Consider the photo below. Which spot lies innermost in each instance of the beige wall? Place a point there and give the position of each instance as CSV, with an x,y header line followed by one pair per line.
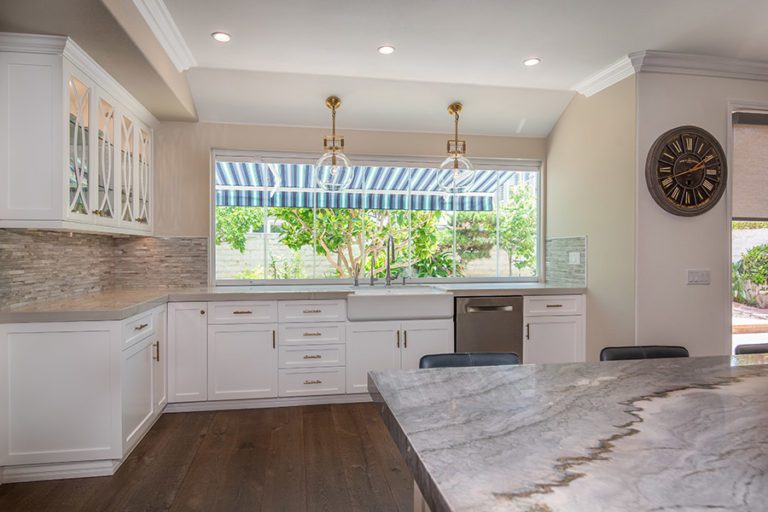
x,y
668,310
590,191
183,160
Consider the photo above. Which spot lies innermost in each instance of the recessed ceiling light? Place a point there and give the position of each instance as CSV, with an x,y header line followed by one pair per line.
x,y
531,61
221,37
386,50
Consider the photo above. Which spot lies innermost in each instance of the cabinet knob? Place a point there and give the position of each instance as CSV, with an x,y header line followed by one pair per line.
x,y
202,311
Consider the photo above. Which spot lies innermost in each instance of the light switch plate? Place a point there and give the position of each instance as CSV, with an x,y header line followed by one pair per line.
x,y
699,277
574,258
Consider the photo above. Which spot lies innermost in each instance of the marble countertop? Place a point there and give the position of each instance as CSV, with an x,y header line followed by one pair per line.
x,y
649,435
121,304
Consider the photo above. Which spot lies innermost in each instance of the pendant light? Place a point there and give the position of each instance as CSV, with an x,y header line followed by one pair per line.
x,y
456,173
333,172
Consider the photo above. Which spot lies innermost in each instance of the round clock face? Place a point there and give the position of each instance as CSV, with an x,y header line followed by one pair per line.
x,y
686,171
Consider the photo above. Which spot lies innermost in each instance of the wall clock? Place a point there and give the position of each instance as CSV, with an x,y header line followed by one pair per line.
x,y
686,171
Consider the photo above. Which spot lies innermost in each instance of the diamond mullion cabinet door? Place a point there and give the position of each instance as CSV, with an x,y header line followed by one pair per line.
x,y
105,168
242,361
187,352
143,176
80,149
127,170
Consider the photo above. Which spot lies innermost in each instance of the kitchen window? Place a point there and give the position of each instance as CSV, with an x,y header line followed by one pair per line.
x,y
272,224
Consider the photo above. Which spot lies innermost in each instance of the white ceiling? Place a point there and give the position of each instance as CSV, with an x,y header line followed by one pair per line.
x,y
287,56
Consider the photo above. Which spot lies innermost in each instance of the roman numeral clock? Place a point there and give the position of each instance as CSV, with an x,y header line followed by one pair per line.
x,y
686,171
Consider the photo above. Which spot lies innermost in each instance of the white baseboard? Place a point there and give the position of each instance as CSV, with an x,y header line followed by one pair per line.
x,y
58,471
262,403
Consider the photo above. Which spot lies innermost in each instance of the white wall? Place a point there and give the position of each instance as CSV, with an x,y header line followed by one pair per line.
x,y
667,310
590,190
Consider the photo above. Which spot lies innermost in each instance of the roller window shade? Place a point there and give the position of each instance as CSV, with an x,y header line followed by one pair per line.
x,y
749,170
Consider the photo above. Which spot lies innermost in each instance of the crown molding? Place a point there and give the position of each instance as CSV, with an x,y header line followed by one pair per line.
x,y
651,61
161,23
606,77
32,43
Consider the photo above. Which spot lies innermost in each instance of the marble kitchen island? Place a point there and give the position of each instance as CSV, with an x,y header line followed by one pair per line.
x,y
652,435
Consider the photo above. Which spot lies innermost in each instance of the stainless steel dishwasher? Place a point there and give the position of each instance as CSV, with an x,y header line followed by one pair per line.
x,y
489,324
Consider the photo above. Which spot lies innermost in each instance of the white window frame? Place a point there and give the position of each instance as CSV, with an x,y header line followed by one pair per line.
x,y
496,164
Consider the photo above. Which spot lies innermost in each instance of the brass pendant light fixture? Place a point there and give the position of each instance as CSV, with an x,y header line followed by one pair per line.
x,y
456,173
332,170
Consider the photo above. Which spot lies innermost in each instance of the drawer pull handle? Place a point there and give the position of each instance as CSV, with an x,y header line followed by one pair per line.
x,y
312,334
157,350
308,382
246,312
554,305
307,311
274,343
140,327
316,356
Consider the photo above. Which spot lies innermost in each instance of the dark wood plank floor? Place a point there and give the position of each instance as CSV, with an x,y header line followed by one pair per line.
x,y
316,458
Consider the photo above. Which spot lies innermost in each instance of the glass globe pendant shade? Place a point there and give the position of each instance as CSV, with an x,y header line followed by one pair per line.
x,y
456,174
333,176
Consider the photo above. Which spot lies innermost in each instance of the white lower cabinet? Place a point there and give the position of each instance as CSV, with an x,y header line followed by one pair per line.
x,y
59,392
76,397
160,362
374,346
242,361
554,329
137,391
422,337
187,352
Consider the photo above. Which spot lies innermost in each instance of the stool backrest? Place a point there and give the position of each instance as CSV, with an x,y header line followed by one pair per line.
x,y
462,359
755,348
642,352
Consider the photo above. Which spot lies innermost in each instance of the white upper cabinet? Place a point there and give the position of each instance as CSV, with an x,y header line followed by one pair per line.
x,y
78,146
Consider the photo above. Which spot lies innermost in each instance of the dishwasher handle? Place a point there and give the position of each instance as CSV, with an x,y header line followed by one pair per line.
x,y
481,309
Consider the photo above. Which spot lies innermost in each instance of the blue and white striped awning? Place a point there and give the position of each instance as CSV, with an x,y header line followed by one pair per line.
x,y
380,188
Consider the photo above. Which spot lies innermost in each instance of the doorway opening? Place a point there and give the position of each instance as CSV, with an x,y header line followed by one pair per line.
x,y
749,229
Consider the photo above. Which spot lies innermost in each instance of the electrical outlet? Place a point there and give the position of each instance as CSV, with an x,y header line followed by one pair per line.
x,y
698,277
574,258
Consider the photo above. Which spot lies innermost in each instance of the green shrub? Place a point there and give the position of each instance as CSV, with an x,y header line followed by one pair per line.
x,y
754,265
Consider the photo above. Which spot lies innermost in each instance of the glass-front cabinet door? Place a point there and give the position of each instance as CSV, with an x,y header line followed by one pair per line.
x,y
79,146
144,176
105,201
127,170
108,158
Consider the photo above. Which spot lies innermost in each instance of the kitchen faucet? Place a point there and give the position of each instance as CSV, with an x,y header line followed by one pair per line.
x,y
390,258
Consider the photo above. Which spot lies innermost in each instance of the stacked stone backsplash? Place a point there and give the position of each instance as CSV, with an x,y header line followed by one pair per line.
x,y
145,262
40,266
560,269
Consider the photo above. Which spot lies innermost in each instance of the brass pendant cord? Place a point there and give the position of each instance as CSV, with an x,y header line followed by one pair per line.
x,y
333,133
456,139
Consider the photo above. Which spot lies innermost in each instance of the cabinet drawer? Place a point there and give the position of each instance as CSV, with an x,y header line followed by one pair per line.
x,y
326,381
553,305
313,310
242,312
138,328
312,356
312,334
